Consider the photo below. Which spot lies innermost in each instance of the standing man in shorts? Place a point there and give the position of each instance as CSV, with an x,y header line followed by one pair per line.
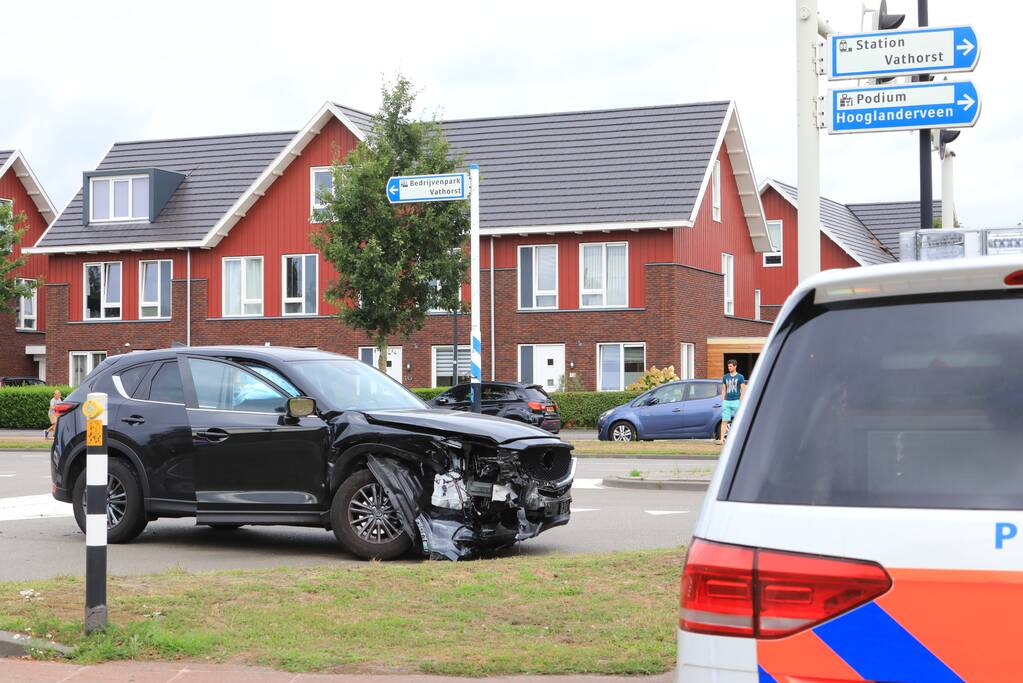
x,y
733,387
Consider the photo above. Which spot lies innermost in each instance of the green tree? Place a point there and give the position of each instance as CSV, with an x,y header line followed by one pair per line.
x,y
394,262
10,236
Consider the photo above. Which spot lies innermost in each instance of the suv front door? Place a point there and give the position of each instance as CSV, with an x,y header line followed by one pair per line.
x,y
253,463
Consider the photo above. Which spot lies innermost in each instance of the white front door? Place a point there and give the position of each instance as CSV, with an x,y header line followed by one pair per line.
x,y
371,356
547,363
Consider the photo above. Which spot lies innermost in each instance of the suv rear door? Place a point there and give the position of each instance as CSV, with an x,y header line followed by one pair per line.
x,y
253,463
888,432
702,408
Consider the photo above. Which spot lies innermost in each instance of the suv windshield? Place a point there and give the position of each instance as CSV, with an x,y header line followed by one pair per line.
x,y
353,385
908,404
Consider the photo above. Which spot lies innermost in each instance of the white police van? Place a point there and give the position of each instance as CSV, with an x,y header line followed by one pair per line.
x,y
866,519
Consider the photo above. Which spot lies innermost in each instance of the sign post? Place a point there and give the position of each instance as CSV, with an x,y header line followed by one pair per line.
x,y
916,106
448,187
95,411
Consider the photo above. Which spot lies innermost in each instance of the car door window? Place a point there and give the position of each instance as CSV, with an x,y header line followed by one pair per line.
x,y
496,393
166,384
458,394
222,386
132,377
702,390
275,377
672,393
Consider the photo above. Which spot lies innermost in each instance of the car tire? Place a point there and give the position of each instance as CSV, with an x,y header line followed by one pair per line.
x,y
124,501
622,431
357,500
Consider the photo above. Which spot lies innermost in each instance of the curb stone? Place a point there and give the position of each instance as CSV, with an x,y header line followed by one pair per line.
x,y
18,645
657,485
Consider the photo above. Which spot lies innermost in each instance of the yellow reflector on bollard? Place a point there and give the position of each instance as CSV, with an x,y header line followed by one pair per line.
x,y
94,432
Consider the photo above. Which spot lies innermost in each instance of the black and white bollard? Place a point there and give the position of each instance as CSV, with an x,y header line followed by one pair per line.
x,y
95,411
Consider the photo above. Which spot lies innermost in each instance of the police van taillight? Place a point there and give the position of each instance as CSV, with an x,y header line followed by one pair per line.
x,y
733,590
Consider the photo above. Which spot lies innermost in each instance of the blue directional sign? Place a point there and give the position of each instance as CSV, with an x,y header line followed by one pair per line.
x,y
897,53
903,107
445,187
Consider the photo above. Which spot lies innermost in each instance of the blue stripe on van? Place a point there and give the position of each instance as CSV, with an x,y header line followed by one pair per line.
x,y
764,676
878,648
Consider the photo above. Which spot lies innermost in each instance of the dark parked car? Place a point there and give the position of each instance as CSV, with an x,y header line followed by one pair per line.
x,y
512,400
254,435
20,381
689,409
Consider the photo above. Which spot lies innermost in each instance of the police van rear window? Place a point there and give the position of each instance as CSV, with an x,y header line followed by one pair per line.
x,y
908,404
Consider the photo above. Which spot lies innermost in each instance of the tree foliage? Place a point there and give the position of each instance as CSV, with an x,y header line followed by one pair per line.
x,y
10,235
389,258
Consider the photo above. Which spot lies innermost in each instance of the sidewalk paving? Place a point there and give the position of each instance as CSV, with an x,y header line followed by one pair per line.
x,y
27,671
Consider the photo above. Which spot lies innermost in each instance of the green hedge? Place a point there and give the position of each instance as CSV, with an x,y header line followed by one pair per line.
x,y
578,408
26,407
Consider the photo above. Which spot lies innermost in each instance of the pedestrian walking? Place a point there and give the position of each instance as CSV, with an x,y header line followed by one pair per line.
x,y
52,414
733,387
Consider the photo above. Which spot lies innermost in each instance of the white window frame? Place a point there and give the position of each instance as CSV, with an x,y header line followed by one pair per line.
x,y
89,364
19,324
537,292
442,311
433,363
687,361
603,290
715,192
780,253
756,304
314,205
103,303
242,288
285,299
110,199
728,271
621,367
159,289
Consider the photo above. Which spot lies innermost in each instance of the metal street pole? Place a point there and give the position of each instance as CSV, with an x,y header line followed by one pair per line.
x,y
926,192
948,220
476,350
454,346
807,140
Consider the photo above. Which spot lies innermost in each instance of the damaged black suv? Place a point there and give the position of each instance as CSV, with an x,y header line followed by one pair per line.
x,y
256,435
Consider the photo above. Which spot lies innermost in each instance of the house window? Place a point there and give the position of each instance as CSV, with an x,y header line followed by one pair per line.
x,y
715,202
443,367
119,199
604,275
243,286
321,179
619,365
728,270
25,315
82,363
103,290
155,289
538,276
756,304
687,368
301,286
773,259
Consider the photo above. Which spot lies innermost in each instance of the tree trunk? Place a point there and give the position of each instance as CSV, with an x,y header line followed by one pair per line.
x,y
382,361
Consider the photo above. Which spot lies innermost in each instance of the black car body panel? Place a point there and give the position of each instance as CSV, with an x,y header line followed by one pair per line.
x,y
261,466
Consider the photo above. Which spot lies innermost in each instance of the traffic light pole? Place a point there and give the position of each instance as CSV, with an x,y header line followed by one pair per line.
x,y
926,190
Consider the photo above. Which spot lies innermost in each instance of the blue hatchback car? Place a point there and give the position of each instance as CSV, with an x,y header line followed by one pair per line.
x,y
688,409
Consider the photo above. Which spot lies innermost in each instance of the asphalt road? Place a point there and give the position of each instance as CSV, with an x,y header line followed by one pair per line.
x,y
34,546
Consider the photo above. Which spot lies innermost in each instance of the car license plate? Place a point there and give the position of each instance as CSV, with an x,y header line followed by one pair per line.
x,y
550,409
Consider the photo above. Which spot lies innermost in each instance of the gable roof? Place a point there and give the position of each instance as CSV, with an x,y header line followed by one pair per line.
x,y
646,167
842,227
14,159
887,219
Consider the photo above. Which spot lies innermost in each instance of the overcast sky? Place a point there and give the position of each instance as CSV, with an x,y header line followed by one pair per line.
x,y
79,76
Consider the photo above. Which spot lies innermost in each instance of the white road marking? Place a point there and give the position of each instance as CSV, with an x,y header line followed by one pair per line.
x,y
32,507
6,474
656,513
587,484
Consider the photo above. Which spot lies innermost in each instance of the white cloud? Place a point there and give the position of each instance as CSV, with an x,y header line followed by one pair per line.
x,y
83,75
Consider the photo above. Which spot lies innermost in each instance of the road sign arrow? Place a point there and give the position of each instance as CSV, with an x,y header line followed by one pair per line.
x,y
392,187
966,102
966,46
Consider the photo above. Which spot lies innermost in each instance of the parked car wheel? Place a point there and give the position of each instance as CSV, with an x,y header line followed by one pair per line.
x,y
125,514
623,431
365,521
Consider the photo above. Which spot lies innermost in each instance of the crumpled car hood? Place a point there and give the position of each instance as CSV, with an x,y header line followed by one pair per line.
x,y
485,427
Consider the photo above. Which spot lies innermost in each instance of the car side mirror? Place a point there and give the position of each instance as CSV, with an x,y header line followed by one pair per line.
x,y
301,406
652,401
442,400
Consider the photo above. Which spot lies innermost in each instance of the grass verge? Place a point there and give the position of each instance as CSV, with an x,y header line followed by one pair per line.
x,y
606,614
586,447
25,444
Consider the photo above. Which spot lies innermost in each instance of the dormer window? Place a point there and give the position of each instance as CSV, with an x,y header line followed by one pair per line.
x,y
119,198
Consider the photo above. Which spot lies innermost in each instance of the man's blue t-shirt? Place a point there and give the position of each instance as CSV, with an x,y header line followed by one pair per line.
x,y
732,384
